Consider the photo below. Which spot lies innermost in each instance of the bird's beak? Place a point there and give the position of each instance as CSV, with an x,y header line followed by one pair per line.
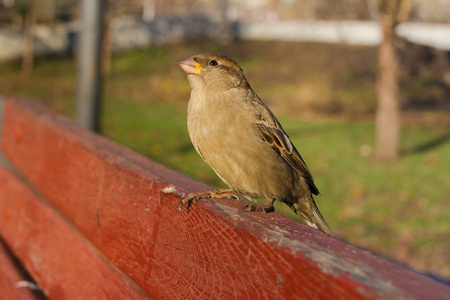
x,y
190,66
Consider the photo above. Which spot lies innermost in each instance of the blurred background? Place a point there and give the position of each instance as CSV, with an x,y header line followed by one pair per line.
x,y
362,87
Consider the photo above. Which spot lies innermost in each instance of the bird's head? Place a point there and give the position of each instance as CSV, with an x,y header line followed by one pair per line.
x,y
214,72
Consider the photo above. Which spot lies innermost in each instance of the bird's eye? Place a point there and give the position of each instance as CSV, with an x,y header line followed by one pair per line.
x,y
213,63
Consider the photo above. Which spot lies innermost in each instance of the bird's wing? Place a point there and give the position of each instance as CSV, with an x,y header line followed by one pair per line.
x,y
273,134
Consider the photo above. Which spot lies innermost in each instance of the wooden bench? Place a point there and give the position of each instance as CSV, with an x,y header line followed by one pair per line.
x,y
89,219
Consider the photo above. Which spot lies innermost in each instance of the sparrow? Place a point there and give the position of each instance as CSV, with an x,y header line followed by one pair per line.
x,y
239,137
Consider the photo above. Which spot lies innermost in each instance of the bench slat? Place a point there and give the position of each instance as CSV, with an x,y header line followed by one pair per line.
x,y
13,284
65,265
126,206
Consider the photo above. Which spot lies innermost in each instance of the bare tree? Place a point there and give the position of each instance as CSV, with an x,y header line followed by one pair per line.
x,y
388,106
108,15
112,10
29,20
148,10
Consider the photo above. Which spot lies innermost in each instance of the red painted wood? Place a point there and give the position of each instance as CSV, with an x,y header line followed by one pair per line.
x,y
126,206
12,280
58,257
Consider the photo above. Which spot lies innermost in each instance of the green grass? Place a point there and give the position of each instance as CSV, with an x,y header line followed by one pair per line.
x,y
400,210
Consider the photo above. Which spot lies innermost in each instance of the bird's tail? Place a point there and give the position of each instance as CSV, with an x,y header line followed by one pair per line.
x,y
307,209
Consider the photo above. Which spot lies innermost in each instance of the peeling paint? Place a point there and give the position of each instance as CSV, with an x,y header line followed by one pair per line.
x,y
169,189
27,284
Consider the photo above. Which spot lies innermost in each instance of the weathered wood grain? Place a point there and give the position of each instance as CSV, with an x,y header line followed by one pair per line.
x,y
126,206
65,265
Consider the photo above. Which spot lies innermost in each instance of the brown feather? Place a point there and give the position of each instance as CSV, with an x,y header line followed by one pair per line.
x,y
273,133
241,139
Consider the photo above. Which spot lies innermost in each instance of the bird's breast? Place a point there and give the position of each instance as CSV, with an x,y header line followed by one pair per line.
x,y
215,116
224,135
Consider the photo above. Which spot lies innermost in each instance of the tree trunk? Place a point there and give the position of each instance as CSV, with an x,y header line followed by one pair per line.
x,y
28,39
388,107
106,46
148,11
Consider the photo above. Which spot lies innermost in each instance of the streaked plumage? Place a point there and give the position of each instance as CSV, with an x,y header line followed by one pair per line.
x,y
240,138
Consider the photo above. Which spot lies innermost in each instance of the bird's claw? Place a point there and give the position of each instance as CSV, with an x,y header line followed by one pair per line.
x,y
233,196
247,207
194,197
257,208
181,203
189,200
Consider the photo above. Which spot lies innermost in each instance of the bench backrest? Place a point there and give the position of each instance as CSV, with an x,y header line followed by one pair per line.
x,y
88,218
